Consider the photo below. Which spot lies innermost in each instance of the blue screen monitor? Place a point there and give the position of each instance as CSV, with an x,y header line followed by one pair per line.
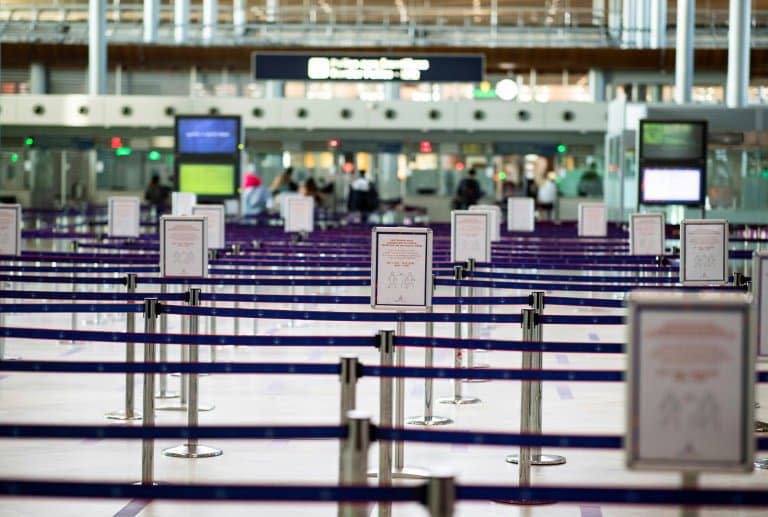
x,y
207,135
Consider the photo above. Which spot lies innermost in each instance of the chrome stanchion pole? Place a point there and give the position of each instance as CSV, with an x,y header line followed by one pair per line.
x,y
386,344
162,378
235,251
470,269
73,321
256,245
429,358
441,495
129,412
350,373
212,256
690,481
151,310
458,398
354,459
192,449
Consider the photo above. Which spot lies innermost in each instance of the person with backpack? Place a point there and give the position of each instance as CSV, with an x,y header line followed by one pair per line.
x,y
468,192
363,196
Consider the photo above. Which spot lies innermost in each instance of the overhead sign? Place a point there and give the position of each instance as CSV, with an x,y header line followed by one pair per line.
x,y
593,220
183,246
291,66
299,213
123,216
216,219
10,229
470,235
182,202
401,268
690,382
520,214
495,212
760,290
646,234
704,251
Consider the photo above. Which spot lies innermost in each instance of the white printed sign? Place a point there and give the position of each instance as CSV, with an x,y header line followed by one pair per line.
x,y
690,382
182,203
646,234
470,235
216,219
703,251
123,216
401,268
183,246
299,214
10,229
520,214
760,301
495,219
593,220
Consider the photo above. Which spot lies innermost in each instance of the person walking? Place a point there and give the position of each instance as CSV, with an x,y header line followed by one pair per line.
x,y
363,197
468,192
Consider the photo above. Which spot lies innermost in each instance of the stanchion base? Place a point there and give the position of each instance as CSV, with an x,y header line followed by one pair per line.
x,y
523,502
183,407
459,401
761,464
177,374
167,395
474,381
404,473
121,415
761,427
10,358
192,451
429,421
539,459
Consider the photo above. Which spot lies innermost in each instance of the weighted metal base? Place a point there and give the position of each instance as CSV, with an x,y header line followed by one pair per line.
x,y
761,464
192,451
474,381
404,473
761,427
120,415
429,421
167,395
459,401
10,358
539,459
523,502
183,407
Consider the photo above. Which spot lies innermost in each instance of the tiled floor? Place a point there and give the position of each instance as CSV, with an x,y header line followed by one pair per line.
x,y
569,407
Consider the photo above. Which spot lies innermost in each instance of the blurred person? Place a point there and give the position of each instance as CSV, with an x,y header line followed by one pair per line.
x,y
546,197
468,192
284,183
310,188
156,195
363,196
590,184
254,198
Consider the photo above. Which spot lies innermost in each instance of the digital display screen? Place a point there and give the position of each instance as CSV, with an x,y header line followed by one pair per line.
x,y
207,135
662,140
671,186
207,179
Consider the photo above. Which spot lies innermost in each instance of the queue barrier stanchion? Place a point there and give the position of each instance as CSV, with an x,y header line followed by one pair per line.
x,y
73,318
152,309
353,459
470,270
192,449
4,357
458,397
532,331
235,248
213,255
162,379
441,495
350,372
428,418
129,412
386,345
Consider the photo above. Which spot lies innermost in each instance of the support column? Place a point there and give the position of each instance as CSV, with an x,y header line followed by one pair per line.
x,y
180,21
238,17
271,10
388,184
274,89
737,89
38,78
210,20
658,36
596,80
686,13
642,23
628,23
97,47
151,20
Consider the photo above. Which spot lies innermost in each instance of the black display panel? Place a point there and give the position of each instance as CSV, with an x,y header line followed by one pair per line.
x,y
673,140
672,185
212,135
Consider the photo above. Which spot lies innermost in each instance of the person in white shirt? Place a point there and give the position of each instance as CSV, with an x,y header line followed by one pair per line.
x,y
546,197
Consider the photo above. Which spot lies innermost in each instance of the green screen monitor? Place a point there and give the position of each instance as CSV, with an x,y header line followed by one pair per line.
x,y
665,140
208,179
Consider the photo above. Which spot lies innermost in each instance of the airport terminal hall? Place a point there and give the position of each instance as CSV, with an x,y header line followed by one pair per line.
x,y
384,258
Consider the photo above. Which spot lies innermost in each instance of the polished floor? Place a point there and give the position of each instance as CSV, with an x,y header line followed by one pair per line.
x,y
569,407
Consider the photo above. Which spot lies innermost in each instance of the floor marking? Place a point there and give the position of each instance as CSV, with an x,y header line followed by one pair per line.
x,y
564,392
593,336
591,511
133,508
562,359
72,351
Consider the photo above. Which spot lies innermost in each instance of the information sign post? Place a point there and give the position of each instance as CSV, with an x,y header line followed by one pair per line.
x,y
123,216
299,214
704,252
646,234
593,220
216,220
760,319
520,214
10,245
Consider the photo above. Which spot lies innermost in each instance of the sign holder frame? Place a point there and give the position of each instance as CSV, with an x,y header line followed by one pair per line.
x,y
471,213
202,220
111,201
528,202
222,220
15,207
290,228
580,222
685,223
670,302
647,215
428,235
